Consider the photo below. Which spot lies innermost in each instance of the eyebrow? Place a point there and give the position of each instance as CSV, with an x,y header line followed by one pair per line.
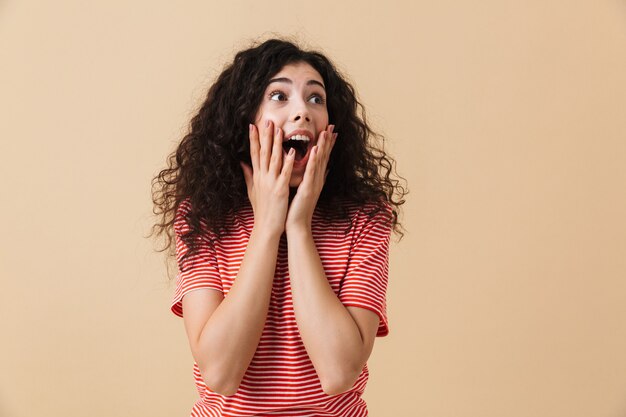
x,y
287,80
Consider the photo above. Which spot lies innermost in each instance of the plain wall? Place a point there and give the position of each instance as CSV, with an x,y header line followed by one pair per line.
x,y
507,296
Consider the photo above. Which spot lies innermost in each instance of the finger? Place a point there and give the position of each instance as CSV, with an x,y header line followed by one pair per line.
x,y
288,165
321,144
329,143
323,155
311,166
277,151
254,147
330,139
266,145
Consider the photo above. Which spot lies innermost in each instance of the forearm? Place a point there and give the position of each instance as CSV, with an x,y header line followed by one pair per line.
x,y
231,335
329,333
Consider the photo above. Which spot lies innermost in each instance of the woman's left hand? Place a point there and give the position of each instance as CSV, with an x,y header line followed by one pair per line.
x,y
300,212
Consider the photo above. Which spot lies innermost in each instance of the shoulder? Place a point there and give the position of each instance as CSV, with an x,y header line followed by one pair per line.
x,y
354,218
187,221
372,212
181,218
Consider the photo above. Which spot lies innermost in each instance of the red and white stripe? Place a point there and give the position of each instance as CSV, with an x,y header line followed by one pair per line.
x,y
281,380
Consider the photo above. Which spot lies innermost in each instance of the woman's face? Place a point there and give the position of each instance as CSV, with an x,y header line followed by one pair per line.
x,y
295,101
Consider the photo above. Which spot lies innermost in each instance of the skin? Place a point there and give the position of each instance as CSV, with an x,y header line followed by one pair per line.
x,y
299,104
225,331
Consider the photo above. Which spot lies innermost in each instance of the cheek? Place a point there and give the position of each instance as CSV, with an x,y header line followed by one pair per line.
x,y
325,117
323,125
260,120
322,120
264,114
260,125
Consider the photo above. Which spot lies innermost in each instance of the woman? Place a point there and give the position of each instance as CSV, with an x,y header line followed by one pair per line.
x,y
282,212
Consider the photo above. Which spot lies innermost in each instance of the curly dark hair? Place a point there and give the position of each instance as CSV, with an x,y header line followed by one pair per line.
x,y
205,168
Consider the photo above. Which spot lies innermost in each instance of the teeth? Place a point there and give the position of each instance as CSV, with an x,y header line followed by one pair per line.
x,y
299,137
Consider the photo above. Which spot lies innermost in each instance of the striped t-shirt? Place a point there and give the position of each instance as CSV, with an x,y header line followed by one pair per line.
x,y
281,379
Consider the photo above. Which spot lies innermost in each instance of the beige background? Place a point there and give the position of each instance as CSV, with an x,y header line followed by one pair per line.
x,y
507,297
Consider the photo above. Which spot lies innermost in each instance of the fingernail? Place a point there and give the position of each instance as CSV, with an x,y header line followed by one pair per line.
x,y
332,127
267,123
292,151
250,126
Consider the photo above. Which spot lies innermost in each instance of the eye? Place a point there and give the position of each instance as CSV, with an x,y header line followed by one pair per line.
x,y
276,94
320,99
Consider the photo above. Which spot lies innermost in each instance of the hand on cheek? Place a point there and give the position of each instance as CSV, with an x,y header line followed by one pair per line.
x,y
303,204
267,180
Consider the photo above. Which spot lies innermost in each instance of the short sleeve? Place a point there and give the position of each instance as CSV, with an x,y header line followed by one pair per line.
x,y
196,271
365,283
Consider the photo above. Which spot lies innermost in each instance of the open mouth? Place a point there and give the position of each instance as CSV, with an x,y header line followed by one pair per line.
x,y
300,142
301,147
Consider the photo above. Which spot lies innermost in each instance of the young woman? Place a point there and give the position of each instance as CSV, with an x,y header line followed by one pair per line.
x,y
281,211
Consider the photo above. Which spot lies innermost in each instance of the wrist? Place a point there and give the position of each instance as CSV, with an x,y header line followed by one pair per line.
x,y
298,229
265,234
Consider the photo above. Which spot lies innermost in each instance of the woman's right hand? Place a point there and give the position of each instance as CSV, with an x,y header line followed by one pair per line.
x,y
267,180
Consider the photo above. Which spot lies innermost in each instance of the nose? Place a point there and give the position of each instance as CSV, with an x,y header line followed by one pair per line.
x,y
301,112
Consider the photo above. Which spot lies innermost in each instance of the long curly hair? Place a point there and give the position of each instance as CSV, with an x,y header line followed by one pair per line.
x,y
205,169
